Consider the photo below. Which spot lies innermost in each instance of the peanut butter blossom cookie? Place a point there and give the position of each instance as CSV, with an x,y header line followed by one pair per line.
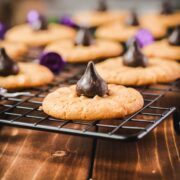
x,y
167,49
84,48
14,50
135,69
167,16
21,75
121,32
91,99
38,32
99,16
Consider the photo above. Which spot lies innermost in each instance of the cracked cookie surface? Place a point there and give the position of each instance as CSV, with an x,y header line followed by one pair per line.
x,y
65,104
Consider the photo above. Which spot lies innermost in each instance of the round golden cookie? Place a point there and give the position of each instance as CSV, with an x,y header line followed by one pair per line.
x,y
170,20
25,34
65,104
14,50
162,49
96,18
158,71
120,32
30,75
74,54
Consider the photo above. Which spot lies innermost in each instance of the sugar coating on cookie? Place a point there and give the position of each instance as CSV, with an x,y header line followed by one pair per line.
x,y
97,18
25,34
65,104
74,54
30,75
158,71
14,50
120,32
162,49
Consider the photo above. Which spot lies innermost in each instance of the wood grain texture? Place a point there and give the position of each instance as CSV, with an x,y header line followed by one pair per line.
x,y
26,154
157,156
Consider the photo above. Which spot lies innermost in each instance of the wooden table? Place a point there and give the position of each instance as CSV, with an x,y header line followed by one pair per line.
x,y
27,154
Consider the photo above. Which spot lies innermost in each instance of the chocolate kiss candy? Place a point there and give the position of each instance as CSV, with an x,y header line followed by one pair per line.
x,y
91,84
134,57
102,5
84,37
174,38
7,65
37,21
166,8
133,19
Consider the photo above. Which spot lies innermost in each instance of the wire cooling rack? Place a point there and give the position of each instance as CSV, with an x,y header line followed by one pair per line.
x,y
24,112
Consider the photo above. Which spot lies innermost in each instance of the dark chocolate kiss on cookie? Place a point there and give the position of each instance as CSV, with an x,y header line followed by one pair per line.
x,y
40,24
102,5
84,37
166,8
134,57
174,38
133,19
91,84
7,65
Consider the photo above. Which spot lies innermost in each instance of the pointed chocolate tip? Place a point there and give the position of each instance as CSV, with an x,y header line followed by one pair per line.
x,y
134,56
174,38
84,37
166,8
7,65
133,19
102,5
91,84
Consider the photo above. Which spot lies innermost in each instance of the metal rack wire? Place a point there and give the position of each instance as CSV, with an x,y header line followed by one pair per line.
x,y
24,112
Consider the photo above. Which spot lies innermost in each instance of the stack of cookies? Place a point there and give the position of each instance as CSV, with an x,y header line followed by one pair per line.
x,y
128,58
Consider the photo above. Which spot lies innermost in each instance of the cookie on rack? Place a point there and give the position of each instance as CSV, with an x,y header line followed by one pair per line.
x,y
21,75
85,48
121,32
91,99
168,49
38,32
135,69
99,16
14,50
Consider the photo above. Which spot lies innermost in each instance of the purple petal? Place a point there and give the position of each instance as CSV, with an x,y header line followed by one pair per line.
x,y
144,37
2,30
32,16
68,21
53,61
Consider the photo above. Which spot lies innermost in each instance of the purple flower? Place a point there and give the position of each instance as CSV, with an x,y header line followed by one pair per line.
x,y
144,37
68,21
53,61
32,16
36,20
2,30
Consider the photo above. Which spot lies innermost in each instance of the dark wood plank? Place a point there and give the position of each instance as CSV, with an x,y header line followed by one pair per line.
x,y
157,156
26,154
